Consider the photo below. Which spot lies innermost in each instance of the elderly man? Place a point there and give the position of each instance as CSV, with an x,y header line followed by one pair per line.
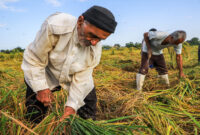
x,y
154,42
64,54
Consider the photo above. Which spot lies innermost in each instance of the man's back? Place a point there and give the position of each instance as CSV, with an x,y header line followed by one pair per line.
x,y
156,38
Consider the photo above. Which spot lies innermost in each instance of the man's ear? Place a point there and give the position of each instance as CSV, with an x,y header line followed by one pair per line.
x,y
171,38
80,20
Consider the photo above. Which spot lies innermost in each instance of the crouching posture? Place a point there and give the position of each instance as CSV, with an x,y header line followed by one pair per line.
x,y
64,54
153,44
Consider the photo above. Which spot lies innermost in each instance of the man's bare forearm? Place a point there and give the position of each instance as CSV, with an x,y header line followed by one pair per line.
x,y
180,64
146,39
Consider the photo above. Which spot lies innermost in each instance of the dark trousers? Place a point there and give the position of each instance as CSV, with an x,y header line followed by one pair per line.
x,y
36,111
158,62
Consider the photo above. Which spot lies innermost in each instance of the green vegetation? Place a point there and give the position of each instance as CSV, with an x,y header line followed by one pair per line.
x,y
194,41
122,109
15,50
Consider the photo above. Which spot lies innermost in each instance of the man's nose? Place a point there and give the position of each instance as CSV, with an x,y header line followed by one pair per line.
x,y
94,42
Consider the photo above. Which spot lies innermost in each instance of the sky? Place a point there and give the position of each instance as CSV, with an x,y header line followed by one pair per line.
x,y
20,20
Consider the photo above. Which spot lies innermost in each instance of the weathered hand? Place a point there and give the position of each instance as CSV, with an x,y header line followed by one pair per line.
x,y
182,75
68,111
45,97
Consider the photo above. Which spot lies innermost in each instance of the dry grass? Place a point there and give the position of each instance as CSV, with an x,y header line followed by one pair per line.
x,y
174,110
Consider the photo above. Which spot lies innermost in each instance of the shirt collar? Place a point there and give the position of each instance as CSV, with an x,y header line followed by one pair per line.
x,y
75,36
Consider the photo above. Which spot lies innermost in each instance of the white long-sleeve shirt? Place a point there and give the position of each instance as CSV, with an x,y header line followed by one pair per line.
x,y
156,38
56,58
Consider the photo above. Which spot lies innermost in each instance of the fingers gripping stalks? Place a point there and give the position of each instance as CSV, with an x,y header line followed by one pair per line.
x,y
45,96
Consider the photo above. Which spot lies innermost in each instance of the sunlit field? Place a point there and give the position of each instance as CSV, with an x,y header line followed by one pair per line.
x,y
157,109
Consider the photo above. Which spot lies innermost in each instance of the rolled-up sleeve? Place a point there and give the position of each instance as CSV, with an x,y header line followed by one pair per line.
x,y
35,59
178,48
81,86
82,82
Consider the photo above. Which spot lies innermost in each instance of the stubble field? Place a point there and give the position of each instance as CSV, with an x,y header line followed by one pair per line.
x,y
157,109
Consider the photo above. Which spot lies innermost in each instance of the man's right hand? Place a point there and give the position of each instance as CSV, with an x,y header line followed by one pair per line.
x,y
147,41
45,97
67,112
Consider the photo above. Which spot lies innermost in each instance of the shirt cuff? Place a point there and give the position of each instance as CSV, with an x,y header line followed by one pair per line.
x,y
74,104
38,85
178,52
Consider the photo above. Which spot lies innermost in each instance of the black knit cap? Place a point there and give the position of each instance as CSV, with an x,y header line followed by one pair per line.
x,y
101,18
153,29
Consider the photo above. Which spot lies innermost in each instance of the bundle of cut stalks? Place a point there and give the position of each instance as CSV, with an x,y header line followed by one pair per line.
x,y
78,126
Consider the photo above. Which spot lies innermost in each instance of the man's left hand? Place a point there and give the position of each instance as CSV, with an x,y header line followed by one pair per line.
x,y
182,75
67,112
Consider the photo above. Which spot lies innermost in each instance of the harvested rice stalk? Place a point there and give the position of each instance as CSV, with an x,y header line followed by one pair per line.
x,y
78,126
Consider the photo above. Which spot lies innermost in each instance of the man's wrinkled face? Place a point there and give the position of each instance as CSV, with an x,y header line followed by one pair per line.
x,y
89,34
175,38
177,41
82,36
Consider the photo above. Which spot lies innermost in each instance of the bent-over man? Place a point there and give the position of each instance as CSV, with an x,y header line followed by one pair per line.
x,y
152,46
64,54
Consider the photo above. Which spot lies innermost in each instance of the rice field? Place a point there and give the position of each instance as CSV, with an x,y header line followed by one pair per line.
x,y
122,110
